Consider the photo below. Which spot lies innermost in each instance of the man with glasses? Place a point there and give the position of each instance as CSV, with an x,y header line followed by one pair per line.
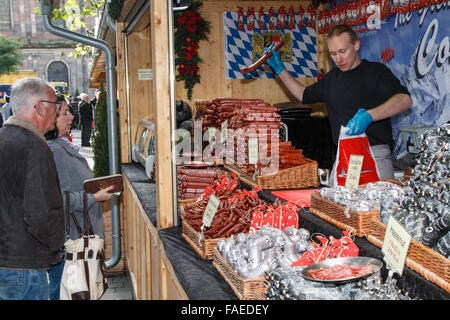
x,y
31,207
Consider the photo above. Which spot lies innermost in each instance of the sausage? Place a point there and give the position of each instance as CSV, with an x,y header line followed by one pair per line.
x,y
185,178
193,185
198,172
225,108
261,60
188,195
236,100
225,229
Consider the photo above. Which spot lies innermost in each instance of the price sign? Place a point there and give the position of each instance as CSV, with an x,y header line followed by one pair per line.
x,y
210,211
212,134
145,74
223,131
395,245
253,150
354,171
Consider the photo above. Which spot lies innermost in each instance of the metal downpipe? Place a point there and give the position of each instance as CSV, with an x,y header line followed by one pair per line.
x,y
46,8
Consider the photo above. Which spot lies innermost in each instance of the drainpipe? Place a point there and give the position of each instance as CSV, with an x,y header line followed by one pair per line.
x,y
111,25
46,8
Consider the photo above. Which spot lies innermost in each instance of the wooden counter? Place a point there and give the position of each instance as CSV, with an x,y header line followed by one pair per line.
x,y
161,263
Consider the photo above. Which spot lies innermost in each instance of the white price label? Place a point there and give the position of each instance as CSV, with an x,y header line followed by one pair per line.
x,y
395,245
253,150
354,171
210,211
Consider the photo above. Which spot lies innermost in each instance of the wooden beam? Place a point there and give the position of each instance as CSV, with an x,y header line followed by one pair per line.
x,y
122,93
162,107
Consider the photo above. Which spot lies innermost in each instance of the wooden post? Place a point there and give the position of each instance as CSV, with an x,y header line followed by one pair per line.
x,y
122,92
162,107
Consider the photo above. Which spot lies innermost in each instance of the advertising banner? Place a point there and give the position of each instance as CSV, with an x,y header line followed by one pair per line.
x,y
243,47
416,47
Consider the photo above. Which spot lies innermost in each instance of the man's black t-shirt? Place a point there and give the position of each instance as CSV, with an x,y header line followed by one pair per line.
x,y
366,86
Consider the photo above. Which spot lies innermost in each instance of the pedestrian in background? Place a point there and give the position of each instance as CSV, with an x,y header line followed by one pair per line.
x,y
86,120
31,206
7,108
76,113
95,99
94,104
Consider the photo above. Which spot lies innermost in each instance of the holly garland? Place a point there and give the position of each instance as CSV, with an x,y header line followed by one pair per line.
x,y
190,28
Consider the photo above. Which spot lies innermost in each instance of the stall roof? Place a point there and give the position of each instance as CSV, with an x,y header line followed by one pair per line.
x,y
130,11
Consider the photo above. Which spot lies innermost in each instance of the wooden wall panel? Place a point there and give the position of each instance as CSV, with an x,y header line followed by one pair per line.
x,y
140,91
148,270
213,81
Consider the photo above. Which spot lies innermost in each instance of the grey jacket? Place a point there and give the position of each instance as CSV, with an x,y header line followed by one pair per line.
x,y
73,169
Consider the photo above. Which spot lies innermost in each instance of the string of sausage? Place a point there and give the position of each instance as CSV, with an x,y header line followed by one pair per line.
x,y
261,60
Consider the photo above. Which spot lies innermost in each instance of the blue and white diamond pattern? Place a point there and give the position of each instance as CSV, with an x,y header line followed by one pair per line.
x,y
238,49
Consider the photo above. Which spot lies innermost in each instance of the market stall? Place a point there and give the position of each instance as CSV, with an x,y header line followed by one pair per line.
x,y
174,234
196,278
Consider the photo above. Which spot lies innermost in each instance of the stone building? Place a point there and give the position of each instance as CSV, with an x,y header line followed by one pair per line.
x,y
44,53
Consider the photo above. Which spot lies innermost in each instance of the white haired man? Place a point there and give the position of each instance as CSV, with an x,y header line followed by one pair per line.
x,y
31,206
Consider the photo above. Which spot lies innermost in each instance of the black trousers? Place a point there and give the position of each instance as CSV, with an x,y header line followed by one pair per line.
x,y
86,133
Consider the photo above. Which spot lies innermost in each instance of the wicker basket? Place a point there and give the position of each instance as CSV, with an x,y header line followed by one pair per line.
x,y
182,204
245,289
303,176
420,258
330,211
260,293
205,247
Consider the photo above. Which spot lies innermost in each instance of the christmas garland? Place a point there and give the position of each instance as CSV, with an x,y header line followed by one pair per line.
x,y
190,28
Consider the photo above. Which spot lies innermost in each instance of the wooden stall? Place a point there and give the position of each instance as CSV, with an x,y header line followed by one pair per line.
x,y
143,69
147,90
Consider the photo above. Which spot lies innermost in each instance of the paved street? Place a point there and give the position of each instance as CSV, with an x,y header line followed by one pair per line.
x,y
84,151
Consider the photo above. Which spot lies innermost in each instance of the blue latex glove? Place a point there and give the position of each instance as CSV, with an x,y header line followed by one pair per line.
x,y
275,61
359,123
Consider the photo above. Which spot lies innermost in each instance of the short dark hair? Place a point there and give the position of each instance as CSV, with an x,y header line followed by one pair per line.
x,y
343,28
52,134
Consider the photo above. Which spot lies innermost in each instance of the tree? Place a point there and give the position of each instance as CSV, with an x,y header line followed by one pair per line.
x,y
100,140
74,12
10,56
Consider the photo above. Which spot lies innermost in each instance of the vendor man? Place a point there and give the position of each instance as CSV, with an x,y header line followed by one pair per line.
x,y
359,95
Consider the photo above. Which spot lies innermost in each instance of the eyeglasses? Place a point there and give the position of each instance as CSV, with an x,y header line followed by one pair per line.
x,y
56,103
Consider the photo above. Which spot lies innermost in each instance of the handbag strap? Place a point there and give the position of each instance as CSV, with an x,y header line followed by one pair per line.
x,y
70,214
88,230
